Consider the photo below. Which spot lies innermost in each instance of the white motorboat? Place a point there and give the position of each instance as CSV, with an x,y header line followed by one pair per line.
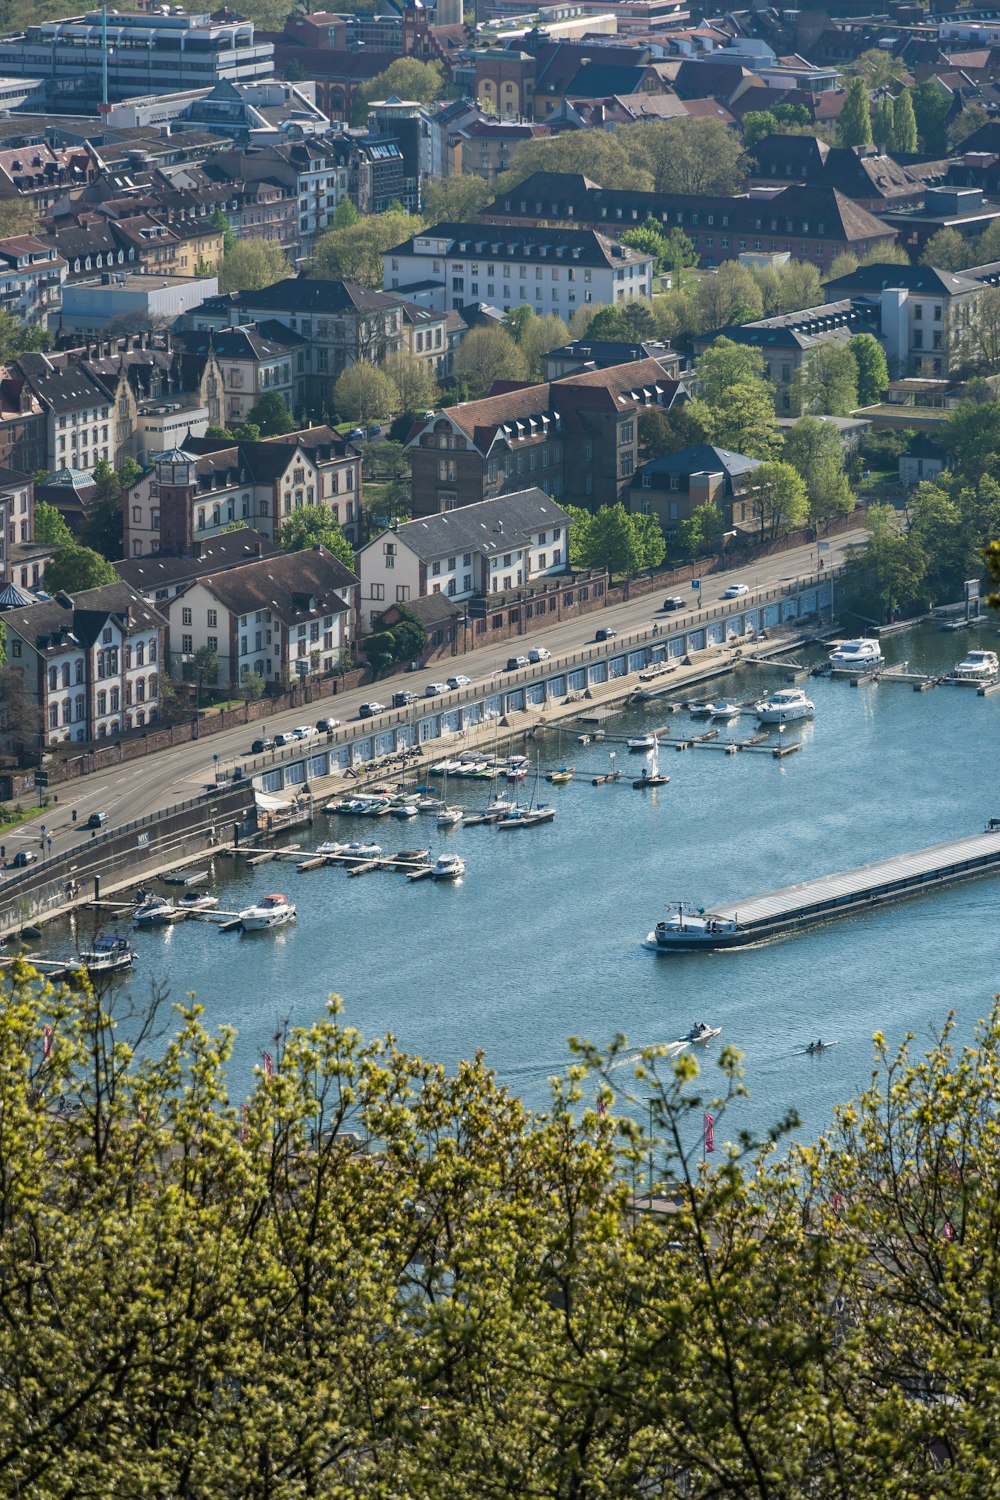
x,y
700,1032
109,955
448,867
977,666
332,846
784,707
860,653
725,710
640,744
700,710
274,911
198,901
155,911
405,810
358,849
448,817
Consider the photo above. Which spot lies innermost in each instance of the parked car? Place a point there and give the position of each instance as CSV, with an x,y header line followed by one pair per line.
x,y
515,663
673,601
459,680
434,688
606,633
303,731
736,591
374,430
96,820
325,726
403,698
369,710
357,433
539,653
259,746
23,857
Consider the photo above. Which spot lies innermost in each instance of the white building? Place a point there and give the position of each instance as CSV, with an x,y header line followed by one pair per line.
x,y
476,550
153,300
549,270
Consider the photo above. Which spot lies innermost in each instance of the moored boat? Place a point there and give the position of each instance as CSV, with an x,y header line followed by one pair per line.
x,y
110,954
640,744
560,777
862,653
448,817
274,911
448,867
155,911
977,666
784,707
198,901
360,849
700,710
725,710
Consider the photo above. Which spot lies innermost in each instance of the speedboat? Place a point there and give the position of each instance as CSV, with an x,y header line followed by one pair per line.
x,y
155,911
197,901
725,710
274,911
640,744
784,707
405,810
358,849
860,653
977,666
700,1032
448,867
332,846
449,816
700,710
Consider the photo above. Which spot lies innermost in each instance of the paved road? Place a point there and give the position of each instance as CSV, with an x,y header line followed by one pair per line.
x,y
139,787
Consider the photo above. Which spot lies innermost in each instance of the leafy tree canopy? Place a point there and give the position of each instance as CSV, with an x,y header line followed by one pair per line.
x,y
612,538
74,568
873,370
355,252
271,415
252,265
50,526
364,392
486,355
315,523
455,199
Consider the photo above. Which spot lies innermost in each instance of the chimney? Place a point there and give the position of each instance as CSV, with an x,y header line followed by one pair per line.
x,y
64,599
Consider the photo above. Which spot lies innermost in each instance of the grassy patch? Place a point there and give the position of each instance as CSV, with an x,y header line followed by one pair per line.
x,y
14,813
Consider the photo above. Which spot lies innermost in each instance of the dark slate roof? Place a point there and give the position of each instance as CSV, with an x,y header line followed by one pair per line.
x,y
699,458
73,389
79,618
250,342
599,80
487,527
925,279
297,294
285,584
228,550
586,247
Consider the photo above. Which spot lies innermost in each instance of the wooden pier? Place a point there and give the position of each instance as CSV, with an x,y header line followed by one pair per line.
x,y
795,907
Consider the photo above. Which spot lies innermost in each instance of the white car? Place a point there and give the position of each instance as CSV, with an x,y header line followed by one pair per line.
x,y
303,731
736,591
459,680
539,653
434,688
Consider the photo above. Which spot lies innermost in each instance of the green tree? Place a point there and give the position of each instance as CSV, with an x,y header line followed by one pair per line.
x,y
988,247
723,365
843,264
731,295
406,78
788,288
17,338
538,338
873,371
778,498
855,125
364,392
623,323
700,156
972,117
413,378
669,431
316,523
206,669
271,415
50,526
103,526
486,355
814,449
672,251
702,529
757,125
253,685
252,265
743,420
650,543
344,215
903,136
74,568
878,68
930,105
355,253
887,575
885,255
828,382
455,199
949,251
602,156
883,116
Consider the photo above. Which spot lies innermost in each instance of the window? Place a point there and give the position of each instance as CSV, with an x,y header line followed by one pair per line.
x,y
102,704
625,432
212,642
115,700
435,570
378,591
187,645
79,671
54,716
185,617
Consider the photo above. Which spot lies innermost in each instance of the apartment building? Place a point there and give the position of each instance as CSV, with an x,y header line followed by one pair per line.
x,y
31,278
576,439
549,270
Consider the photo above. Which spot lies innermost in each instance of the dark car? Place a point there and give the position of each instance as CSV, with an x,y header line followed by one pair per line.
x,y
403,699
288,738
23,857
515,663
369,710
327,726
96,820
673,601
606,633
259,746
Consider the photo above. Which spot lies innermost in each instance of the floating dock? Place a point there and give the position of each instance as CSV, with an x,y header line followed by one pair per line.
x,y
798,906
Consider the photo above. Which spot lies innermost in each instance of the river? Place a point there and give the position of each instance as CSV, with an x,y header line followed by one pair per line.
x,y
543,939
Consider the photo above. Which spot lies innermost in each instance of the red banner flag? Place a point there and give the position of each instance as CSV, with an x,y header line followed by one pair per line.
x,y
268,1065
47,1044
602,1107
709,1133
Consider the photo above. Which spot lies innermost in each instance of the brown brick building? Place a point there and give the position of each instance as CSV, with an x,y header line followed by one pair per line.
x,y
576,439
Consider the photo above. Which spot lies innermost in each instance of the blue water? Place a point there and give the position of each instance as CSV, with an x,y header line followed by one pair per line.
x,y
544,937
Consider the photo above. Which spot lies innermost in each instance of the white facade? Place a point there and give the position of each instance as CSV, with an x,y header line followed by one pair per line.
x,y
507,271
322,188
166,425
257,642
141,507
80,439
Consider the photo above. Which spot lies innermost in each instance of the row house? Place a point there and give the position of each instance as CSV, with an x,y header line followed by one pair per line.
x,y
141,241
39,175
211,486
21,560
549,270
31,277
23,424
474,551
79,410
90,662
321,184
673,486
158,576
814,224
283,618
253,360
575,438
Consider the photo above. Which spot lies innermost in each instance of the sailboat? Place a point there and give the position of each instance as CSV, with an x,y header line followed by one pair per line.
x,y
449,816
530,816
564,773
651,774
